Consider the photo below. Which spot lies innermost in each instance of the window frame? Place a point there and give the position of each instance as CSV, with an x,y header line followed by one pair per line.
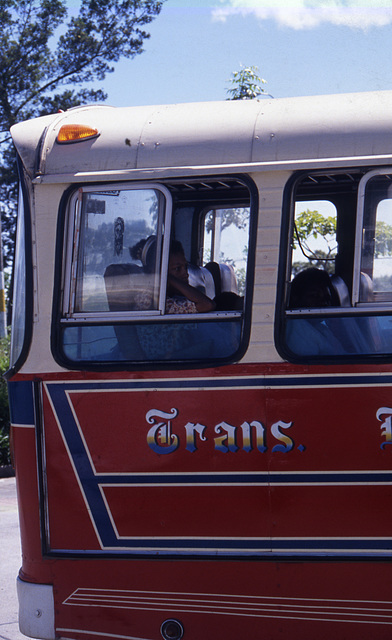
x,y
356,309
374,306
22,268
117,319
72,247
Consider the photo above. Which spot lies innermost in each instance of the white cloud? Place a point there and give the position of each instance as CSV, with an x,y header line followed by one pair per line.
x,y
306,14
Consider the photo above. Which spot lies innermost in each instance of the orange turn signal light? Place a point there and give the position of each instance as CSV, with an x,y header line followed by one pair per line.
x,y
76,133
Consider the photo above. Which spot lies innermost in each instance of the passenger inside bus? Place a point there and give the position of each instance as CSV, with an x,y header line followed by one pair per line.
x,y
311,289
181,296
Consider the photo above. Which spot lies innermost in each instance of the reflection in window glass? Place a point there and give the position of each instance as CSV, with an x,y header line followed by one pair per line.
x,y
118,259
380,238
152,341
376,259
19,300
337,336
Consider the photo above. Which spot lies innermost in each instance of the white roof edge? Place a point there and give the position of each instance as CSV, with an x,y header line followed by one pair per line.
x,y
187,171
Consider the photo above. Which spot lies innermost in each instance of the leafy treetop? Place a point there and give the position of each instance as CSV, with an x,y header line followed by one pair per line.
x,y
45,56
35,60
246,84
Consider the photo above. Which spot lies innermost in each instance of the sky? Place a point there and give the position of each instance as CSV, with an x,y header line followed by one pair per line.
x,y
301,47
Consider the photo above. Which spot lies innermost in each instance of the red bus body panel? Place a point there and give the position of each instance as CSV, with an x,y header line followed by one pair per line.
x,y
249,501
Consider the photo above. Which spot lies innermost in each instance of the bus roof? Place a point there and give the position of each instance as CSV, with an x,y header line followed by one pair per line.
x,y
212,136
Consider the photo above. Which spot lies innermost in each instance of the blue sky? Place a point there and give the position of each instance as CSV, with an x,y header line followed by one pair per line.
x,y
301,47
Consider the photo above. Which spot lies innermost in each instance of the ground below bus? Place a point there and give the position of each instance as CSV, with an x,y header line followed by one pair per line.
x,y
10,560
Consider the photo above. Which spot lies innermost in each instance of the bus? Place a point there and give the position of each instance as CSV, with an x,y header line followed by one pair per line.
x,y
192,472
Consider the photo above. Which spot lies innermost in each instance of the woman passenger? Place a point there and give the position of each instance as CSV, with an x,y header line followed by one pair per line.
x,y
181,297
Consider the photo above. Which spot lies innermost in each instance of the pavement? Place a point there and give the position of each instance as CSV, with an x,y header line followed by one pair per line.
x,y
10,560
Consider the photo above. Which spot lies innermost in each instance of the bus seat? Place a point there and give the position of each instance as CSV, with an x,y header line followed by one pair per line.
x,y
340,290
369,326
201,278
366,288
224,277
126,284
228,278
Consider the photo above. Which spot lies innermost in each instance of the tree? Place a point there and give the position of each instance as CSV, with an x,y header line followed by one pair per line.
x,y
246,84
312,224
383,239
322,229
45,56
238,216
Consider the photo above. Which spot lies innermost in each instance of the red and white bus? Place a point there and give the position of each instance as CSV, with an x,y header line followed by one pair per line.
x,y
205,474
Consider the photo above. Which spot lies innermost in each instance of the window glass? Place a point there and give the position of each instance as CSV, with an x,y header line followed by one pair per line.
x,y
314,237
313,257
153,341
19,287
118,242
382,264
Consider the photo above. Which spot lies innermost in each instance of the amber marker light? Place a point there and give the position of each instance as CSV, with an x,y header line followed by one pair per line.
x,y
76,133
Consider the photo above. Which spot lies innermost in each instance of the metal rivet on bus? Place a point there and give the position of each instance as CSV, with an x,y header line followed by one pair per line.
x,y
172,629
38,613
157,144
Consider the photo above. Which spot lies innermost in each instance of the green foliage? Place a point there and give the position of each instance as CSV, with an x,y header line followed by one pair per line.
x,y
383,239
44,58
246,84
4,411
312,224
239,217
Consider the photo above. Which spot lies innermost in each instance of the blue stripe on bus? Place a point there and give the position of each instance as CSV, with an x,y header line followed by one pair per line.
x,y
263,548
262,478
235,382
263,544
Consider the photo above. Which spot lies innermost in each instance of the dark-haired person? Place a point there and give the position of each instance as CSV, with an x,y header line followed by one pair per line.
x,y
181,297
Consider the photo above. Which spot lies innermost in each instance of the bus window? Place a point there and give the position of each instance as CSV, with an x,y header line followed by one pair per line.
x,y
115,304
22,303
337,300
